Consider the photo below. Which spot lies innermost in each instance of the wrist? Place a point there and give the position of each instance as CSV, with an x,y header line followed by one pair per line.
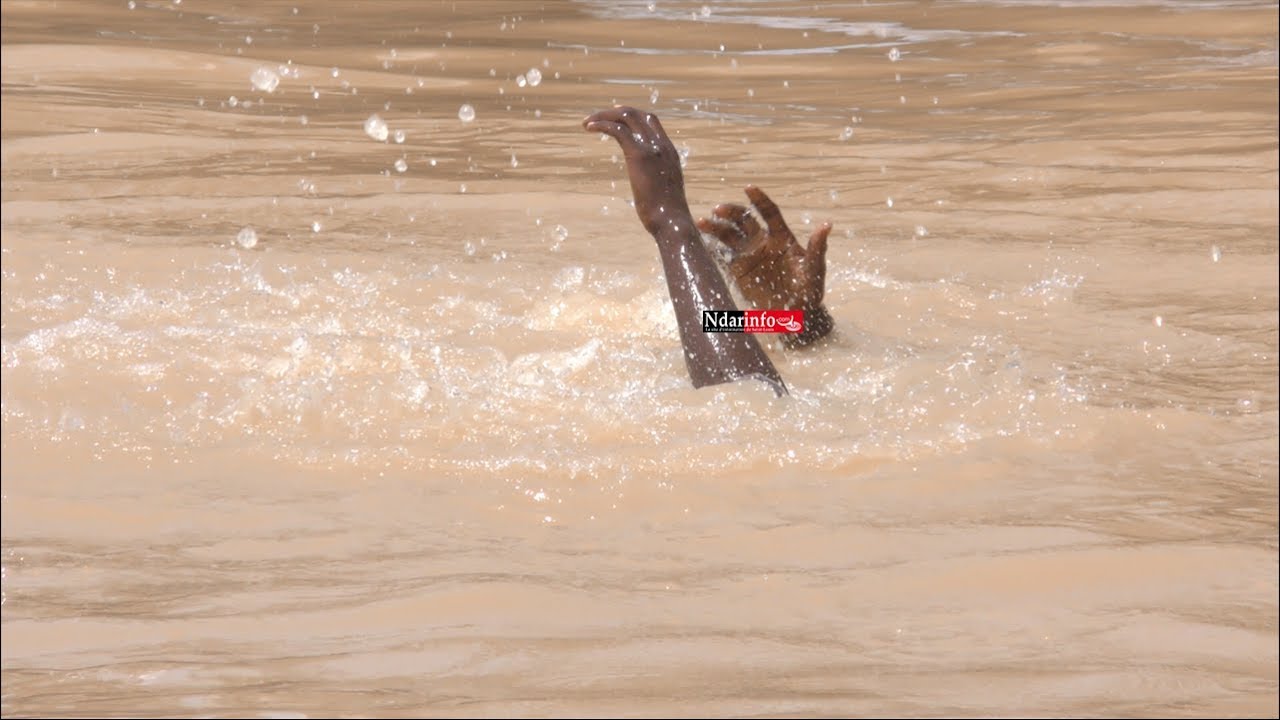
x,y
818,324
672,225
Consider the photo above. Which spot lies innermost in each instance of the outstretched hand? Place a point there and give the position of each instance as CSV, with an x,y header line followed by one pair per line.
x,y
770,267
653,165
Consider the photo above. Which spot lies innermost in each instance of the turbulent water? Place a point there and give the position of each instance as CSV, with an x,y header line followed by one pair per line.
x,y
310,412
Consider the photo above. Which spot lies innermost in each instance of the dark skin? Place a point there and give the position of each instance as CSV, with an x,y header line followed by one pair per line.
x,y
770,267
693,280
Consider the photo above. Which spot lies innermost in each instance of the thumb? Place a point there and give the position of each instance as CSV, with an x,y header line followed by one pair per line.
x,y
815,265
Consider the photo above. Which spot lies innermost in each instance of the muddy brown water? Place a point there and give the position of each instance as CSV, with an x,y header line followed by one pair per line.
x,y
429,448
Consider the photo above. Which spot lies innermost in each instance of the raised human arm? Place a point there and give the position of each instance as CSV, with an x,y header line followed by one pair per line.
x,y
693,279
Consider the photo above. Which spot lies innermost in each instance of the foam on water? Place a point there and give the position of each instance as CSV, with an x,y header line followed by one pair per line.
x,y
339,366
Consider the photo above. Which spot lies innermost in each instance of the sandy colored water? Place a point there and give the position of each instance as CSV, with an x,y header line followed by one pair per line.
x,y
429,447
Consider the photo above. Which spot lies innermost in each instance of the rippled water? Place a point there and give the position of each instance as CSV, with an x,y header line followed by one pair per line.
x,y
428,445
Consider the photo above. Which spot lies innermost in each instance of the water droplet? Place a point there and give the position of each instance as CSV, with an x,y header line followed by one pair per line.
x,y
833,195
1215,253
399,136
534,76
806,218
921,231
1158,320
376,128
521,81
653,7
558,236
433,162
706,11
247,238
303,119
265,79
888,201
466,113
462,188
653,97
132,4
401,165
469,248
334,72
315,226
895,54
233,101
684,155
846,133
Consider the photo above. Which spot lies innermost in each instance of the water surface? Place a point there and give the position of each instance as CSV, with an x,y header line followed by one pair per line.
x,y
429,447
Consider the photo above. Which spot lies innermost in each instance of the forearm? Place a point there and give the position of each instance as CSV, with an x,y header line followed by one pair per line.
x,y
695,284
693,279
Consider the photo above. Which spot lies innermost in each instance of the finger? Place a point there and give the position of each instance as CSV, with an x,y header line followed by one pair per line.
x,y
655,124
729,234
622,123
815,262
779,234
739,216
616,114
646,130
643,122
731,212
631,118
617,131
